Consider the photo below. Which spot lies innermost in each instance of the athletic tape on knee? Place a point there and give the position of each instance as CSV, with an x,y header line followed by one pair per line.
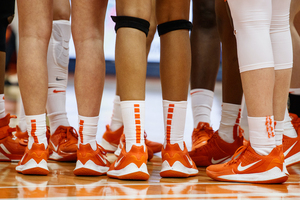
x,y
58,54
3,27
131,22
173,25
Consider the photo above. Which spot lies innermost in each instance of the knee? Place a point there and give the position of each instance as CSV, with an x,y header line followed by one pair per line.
x,y
204,17
61,13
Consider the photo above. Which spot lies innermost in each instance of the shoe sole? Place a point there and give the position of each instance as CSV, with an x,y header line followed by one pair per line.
x,y
110,148
89,169
274,175
31,167
63,157
177,170
130,172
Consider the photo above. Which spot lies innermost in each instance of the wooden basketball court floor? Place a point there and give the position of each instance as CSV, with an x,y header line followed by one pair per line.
x,y
62,184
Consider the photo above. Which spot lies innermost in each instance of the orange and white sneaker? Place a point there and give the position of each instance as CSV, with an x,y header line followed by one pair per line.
x,y
177,162
250,167
90,162
122,143
130,165
21,135
291,150
201,134
11,148
216,150
34,160
111,139
63,144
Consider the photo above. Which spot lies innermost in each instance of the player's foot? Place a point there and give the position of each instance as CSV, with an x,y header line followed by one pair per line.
x,y
291,150
201,134
90,162
34,160
130,165
21,135
111,139
216,150
250,167
11,148
63,144
177,162
122,143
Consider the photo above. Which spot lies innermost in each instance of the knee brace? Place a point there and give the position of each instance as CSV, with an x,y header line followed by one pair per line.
x,y
58,54
3,27
173,25
131,22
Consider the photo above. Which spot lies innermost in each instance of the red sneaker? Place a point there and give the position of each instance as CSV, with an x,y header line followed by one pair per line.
x,y
63,144
250,167
111,139
216,150
201,134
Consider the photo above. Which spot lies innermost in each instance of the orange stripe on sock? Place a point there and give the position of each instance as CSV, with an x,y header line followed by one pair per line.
x,y
33,131
81,122
137,117
269,127
169,122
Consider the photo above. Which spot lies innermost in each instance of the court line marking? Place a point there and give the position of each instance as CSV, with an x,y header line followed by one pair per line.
x,y
174,196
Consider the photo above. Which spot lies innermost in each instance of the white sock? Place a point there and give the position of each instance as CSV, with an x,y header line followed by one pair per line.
x,y
289,129
231,116
279,130
22,120
88,130
57,62
133,114
174,121
2,106
116,118
56,108
202,101
295,91
36,128
261,134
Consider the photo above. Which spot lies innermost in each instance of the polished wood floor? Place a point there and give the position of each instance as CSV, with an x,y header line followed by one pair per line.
x,y
62,184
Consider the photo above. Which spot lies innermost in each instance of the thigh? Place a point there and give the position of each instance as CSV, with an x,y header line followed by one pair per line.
x,y
134,8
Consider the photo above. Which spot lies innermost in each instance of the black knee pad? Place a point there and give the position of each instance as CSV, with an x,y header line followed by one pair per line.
x,y
173,25
3,27
131,22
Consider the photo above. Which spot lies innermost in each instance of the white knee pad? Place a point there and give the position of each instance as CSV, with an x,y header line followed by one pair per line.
x,y
252,20
281,35
58,54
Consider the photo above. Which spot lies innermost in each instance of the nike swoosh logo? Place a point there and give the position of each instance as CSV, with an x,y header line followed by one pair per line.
x,y
55,147
104,161
288,151
241,168
60,79
57,91
118,161
191,162
213,161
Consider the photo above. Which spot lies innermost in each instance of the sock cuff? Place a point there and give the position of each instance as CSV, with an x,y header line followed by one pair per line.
x,y
231,107
295,91
88,120
117,99
62,21
204,92
182,104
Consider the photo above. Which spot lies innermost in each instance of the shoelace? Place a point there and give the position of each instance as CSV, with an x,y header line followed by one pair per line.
x,y
237,154
207,131
64,132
